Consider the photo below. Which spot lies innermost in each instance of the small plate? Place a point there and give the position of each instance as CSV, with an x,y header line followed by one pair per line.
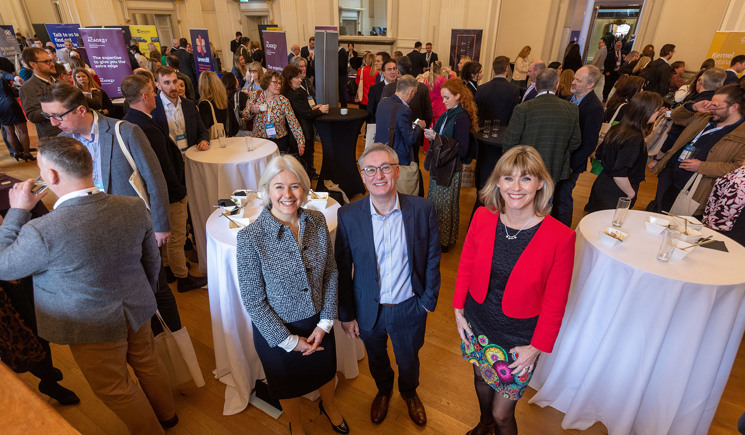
x,y
612,236
656,225
679,253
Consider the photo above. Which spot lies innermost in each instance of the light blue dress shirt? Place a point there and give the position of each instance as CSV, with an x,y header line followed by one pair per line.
x,y
95,150
394,271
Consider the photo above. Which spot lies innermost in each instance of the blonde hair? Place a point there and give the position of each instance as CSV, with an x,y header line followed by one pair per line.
x,y
643,62
369,60
259,70
435,70
525,52
526,160
212,89
278,164
91,83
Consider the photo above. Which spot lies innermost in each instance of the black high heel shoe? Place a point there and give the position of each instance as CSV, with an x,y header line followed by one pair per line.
x,y
18,157
341,428
29,158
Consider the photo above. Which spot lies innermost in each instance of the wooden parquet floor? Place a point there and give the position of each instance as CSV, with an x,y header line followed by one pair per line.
x,y
446,380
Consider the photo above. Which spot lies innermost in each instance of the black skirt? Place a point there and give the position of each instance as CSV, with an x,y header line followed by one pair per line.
x,y
290,374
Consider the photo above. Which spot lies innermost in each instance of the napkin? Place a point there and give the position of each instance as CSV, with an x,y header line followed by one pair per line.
x,y
716,245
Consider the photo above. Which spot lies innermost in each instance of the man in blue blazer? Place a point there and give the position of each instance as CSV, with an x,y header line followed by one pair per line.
x,y
391,241
405,131
177,115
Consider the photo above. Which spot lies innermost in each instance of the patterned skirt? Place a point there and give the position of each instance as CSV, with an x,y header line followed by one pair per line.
x,y
446,201
493,362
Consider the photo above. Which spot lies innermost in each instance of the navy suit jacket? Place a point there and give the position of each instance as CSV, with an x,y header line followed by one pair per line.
x,y
497,99
590,119
432,58
374,95
731,78
404,136
359,296
195,129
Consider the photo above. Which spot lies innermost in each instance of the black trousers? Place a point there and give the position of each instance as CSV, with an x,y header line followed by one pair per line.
x,y
166,305
404,323
610,81
343,91
563,208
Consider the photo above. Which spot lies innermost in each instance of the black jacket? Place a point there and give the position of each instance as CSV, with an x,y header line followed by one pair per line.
x,y
417,62
343,64
186,61
234,45
590,119
660,76
374,95
610,61
311,67
497,99
195,129
442,159
303,113
169,156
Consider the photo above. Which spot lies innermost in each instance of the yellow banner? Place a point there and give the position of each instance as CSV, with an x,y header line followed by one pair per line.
x,y
725,46
145,35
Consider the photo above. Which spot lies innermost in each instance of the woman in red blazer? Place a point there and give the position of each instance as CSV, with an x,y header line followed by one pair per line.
x,y
512,285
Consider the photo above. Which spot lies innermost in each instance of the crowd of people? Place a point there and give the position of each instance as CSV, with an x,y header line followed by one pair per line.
x,y
382,276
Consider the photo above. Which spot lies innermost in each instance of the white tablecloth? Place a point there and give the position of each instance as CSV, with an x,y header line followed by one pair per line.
x,y
237,363
645,347
216,173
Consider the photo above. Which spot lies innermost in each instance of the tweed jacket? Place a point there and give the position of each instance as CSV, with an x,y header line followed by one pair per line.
x,y
95,264
281,283
115,169
551,126
724,157
29,94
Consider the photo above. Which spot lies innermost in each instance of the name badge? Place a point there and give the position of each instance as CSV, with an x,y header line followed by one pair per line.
x,y
311,101
181,142
271,131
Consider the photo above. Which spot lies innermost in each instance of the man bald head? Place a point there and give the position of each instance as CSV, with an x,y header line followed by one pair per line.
x,y
535,68
295,49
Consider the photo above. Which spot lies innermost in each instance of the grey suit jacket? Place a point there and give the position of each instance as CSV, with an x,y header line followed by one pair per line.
x,y
29,94
115,169
95,264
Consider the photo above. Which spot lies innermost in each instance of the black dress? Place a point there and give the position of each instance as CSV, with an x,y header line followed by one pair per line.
x,y
10,111
621,158
494,334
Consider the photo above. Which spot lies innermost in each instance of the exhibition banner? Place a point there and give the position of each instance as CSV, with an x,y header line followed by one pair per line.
x,y
264,27
275,50
8,42
200,41
40,33
108,56
145,35
724,46
465,42
125,32
59,32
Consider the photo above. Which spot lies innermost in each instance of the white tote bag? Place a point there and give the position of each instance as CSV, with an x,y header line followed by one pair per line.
x,y
217,130
178,356
135,180
684,204
604,127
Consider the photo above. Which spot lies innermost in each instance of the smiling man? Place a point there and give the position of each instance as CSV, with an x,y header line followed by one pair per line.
x,y
177,115
43,67
391,241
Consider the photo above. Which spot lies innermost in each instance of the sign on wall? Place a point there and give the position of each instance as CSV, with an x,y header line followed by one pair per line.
x,y
145,35
202,54
724,46
108,55
59,32
8,42
275,50
465,42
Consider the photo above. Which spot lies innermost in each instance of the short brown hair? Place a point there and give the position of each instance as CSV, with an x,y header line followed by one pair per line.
x,y
30,54
164,71
173,62
66,155
289,72
70,96
500,65
526,160
133,87
266,79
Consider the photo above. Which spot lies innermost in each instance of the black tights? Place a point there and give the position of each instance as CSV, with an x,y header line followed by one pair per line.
x,y
495,409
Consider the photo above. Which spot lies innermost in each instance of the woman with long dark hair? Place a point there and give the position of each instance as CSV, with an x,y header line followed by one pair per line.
x,y
623,154
626,88
236,103
471,75
573,59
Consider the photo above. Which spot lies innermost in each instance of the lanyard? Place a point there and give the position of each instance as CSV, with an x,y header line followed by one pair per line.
x,y
177,116
442,127
704,132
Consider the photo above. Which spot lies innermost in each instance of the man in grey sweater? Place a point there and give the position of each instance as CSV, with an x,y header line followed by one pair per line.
x,y
93,287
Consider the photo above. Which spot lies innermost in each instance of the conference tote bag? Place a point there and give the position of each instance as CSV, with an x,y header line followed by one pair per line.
x,y
217,130
604,127
177,353
684,204
408,179
135,180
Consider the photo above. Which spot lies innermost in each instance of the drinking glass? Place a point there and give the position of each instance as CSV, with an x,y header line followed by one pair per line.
x,y
622,208
669,240
249,146
495,127
487,127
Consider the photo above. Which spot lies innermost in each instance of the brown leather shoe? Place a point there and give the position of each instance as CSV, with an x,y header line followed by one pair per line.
x,y
416,410
379,408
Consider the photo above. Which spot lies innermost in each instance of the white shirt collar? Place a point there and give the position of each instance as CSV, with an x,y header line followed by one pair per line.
x,y
374,212
168,103
545,92
75,194
43,80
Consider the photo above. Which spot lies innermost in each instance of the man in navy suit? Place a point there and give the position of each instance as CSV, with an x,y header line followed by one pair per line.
x,y
391,241
536,67
375,95
178,116
611,65
590,120
429,57
736,67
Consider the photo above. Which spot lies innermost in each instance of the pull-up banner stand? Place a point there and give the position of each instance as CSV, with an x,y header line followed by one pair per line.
x,y
327,67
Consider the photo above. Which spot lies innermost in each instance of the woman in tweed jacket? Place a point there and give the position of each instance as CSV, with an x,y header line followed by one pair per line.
x,y
288,279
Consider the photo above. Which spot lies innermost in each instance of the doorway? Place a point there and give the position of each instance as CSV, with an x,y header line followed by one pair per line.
x,y
618,22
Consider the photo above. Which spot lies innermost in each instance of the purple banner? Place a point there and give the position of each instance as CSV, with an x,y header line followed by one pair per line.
x,y
200,41
329,28
59,32
8,42
108,56
275,50
465,42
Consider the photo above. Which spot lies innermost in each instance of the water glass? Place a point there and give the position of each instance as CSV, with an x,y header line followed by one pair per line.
x,y
487,127
495,127
223,141
669,240
249,146
622,209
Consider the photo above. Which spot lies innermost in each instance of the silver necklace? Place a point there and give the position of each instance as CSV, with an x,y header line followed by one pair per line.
x,y
514,236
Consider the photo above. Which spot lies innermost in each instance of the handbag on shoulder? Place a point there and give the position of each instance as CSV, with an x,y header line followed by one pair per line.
x,y
135,180
217,130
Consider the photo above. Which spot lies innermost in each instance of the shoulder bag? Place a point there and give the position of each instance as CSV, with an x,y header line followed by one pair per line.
x,y
176,351
684,204
604,127
135,180
217,130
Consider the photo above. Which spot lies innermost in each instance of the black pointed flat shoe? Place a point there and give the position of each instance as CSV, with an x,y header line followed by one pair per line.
x,y
341,427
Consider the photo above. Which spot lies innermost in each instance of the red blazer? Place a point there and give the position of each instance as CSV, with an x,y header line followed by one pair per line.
x,y
539,282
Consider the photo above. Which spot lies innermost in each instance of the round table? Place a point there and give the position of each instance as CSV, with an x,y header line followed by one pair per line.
x,y
237,364
645,347
217,172
489,152
338,135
